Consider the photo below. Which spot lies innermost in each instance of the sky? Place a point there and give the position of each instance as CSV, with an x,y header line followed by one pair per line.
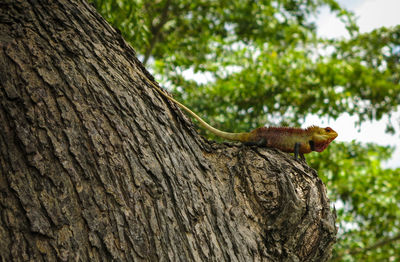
x,y
370,14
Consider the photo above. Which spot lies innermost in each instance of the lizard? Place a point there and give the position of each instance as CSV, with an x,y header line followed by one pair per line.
x,y
287,139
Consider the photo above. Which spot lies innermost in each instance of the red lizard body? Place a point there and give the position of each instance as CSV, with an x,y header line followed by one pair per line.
x,y
288,139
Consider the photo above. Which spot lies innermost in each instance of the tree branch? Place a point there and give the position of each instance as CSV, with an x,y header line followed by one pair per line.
x,y
371,247
156,30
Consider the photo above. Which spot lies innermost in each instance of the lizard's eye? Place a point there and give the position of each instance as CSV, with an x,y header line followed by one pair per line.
x,y
328,129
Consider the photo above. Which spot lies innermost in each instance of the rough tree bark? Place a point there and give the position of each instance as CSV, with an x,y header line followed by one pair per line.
x,y
95,165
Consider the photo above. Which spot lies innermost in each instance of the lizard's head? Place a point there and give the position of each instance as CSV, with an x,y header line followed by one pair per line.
x,y
322,137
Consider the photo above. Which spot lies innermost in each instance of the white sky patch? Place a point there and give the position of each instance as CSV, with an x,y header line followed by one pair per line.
x,y
370,14
377,13
199,77
329,26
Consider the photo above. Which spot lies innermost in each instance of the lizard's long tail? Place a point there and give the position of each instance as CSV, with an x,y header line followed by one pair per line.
x,y
243,137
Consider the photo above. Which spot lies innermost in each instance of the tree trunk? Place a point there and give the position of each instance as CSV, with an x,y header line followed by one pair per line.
x,y
95,165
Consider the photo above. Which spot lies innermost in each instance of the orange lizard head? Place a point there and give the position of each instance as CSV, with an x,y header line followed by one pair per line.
x,y
322,137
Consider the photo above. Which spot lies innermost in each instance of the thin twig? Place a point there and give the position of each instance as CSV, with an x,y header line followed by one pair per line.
x,y
371,247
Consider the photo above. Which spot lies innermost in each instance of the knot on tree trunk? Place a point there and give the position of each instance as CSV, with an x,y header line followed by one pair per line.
x,y
285,199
